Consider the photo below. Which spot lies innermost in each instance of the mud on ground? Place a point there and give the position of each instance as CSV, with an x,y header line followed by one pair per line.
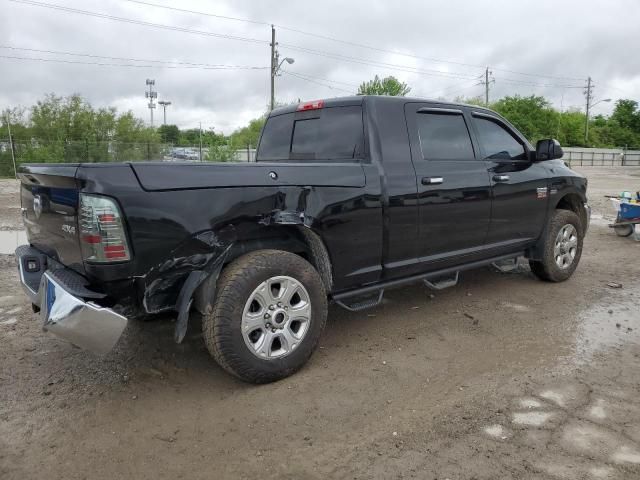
x,y
10,218
502,377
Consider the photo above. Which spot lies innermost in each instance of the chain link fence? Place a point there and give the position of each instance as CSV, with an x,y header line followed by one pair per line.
x,y
31,151
602,157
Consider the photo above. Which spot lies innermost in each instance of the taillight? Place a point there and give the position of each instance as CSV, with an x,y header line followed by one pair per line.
x,y
102,235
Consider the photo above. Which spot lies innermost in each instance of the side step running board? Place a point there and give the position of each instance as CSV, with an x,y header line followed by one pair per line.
x,y
506,266
363,304
450,274
441,283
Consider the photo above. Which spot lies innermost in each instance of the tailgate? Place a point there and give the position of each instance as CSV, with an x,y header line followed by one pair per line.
x,y
49,196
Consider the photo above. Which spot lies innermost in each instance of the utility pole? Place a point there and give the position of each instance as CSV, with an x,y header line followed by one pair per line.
x,y
164,104
13,151
151,95
487,81
274,61
589,95
201,141
486,87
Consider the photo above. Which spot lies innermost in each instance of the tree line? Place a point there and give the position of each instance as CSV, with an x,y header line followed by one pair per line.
x,y
70,129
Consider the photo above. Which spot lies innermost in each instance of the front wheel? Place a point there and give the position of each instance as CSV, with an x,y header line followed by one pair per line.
x,y
562,248
268,316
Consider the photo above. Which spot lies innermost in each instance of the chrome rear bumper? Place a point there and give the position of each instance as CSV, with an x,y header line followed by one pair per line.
x,y
67,316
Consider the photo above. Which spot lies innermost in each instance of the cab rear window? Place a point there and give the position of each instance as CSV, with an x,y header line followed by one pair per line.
x,y
328,134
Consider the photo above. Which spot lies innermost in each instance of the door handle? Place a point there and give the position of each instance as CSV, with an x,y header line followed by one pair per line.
x,y
432,180
501,178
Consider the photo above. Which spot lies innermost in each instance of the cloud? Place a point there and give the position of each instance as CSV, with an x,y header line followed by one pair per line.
x,y
557,39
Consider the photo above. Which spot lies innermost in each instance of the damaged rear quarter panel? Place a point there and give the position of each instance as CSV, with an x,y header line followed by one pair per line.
x,y
176,231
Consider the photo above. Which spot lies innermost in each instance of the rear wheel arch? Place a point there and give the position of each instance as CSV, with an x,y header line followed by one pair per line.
x,y
296,239
229,326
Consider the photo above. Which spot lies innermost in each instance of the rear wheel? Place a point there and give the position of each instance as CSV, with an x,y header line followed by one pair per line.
x,y
562,248
268,316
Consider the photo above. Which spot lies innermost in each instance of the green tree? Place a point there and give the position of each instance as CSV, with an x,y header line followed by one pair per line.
x,y
532,115
570,128
622,128
19,125
220,153
169,134
191,136
249,135
390,86
626,115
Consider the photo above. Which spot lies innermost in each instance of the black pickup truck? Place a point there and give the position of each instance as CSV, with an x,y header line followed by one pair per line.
x,y
347,197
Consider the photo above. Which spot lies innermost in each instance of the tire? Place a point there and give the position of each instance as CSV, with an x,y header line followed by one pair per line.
x,y
237,333
623,230
562,248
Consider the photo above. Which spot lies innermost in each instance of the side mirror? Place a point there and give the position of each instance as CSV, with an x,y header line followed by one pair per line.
x,y
548,149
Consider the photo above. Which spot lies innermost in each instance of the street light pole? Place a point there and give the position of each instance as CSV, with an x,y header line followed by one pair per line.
x,y
275,67
164,105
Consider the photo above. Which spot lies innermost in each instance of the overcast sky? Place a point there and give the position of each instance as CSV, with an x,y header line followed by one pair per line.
x,y
438,47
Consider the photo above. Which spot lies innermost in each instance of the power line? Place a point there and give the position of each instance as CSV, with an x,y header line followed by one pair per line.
x,y
232,37
406,69
312,80
206,14
457,91
518,82
139,22
537,74
130,65
167,62
329,80
389,66
345,42
357,60
458,87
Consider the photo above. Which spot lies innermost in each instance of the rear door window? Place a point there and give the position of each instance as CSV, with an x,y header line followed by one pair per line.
x,y
276,138
444,136
329,134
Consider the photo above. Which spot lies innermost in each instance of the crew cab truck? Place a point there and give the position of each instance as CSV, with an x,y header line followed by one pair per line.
x,y
347,197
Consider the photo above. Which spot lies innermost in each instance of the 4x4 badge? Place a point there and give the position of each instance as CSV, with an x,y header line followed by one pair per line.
x,y
542,192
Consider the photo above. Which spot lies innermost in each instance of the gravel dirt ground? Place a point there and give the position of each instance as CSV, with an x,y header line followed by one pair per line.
x,y
501,377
